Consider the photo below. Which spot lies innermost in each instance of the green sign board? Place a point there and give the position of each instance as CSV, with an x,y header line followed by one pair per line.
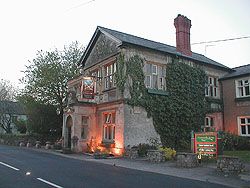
x,y
206,138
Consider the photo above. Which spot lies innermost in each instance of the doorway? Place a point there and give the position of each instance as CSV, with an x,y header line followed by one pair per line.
x,y
69,123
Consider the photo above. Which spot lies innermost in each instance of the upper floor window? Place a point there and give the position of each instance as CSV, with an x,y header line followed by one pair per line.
x,y
109,76
212,87
109,127
243,88
244,126
97,74
155,76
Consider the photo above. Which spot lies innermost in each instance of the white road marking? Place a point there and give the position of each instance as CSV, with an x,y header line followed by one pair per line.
x,y
49,183
9,166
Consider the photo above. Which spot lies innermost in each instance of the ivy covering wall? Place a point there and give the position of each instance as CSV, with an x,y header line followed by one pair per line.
x,y
175,114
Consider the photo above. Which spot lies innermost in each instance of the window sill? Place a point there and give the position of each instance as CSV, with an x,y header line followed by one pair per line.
x,y
157,92
213,99
110,89
239,99
108,144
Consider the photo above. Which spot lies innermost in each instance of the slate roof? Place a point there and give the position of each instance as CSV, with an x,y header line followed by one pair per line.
x,y
12,108
125,38
238,72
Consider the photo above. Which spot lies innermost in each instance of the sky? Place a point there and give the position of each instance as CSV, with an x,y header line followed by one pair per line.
x,y
31,25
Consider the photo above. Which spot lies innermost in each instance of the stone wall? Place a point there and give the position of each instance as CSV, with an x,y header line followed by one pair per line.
x,y
229,164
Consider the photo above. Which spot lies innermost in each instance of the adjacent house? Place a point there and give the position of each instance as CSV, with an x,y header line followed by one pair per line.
x,y
236,98
10,113
102,119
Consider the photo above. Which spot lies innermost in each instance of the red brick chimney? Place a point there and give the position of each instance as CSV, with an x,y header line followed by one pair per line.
x,y
183,25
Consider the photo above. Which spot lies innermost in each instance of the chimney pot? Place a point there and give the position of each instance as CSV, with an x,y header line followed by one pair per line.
x,y
183,25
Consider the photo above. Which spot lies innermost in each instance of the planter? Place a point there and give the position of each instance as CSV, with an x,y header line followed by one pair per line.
x,y
186,160
38,144
156,156
48,145
21,144
229,164
28,145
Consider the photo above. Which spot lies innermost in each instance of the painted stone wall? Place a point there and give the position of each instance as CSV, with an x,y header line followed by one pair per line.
x,y
138,128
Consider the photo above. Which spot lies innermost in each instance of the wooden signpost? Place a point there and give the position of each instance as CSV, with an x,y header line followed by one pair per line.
x,y
206,144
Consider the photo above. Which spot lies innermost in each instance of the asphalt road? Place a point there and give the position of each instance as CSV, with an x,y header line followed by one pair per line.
x,y
26,168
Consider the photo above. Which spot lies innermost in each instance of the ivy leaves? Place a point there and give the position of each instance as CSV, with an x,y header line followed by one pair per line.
x,y
174,115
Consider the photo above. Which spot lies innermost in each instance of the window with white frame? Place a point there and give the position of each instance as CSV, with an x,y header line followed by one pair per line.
x,y
109,76
243,88
244,126
97,74
109,127
155,76
84,127
212,87
209,121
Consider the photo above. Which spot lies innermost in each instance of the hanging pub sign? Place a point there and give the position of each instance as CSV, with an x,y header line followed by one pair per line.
x,y
206,144
88,87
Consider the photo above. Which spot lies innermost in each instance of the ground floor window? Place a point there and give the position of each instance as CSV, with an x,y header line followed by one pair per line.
x,y
109,127
209,121
84,127
244,126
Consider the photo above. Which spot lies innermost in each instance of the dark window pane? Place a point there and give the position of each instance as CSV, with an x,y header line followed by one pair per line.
x,y
241,91
212,121
248,120
215,81
109,132
247,89
211,91
248,129
242,121
243,129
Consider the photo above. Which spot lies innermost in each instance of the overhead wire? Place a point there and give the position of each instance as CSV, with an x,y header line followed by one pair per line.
x,y
222,40
81,4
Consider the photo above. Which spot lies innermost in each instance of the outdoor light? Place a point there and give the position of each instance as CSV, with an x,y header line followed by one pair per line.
x,y
58,111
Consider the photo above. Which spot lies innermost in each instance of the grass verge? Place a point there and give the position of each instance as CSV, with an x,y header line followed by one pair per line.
x,y
243,155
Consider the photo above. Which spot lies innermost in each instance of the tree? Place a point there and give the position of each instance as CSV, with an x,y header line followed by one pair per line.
x,y
46,86
21,125
7,94
7,91
47,75
42,118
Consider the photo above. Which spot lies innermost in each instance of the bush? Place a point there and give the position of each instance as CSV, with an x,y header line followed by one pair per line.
x,y
143,149
169,153
234,142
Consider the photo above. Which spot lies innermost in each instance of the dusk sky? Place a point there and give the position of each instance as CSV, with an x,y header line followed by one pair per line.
x,y
31,25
